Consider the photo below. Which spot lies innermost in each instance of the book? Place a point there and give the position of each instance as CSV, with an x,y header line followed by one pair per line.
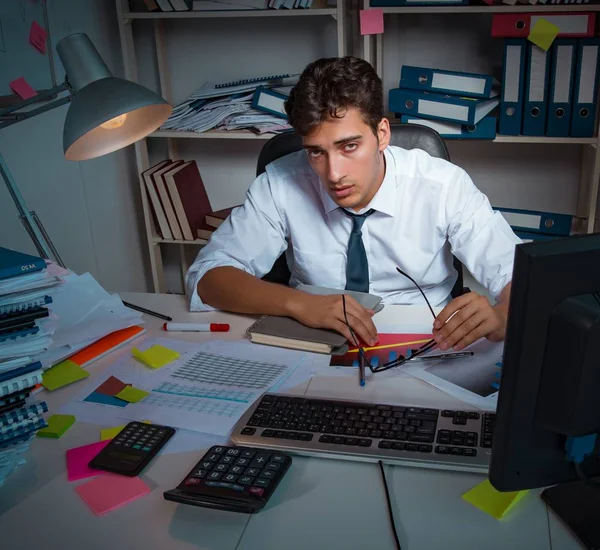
x,y
159,214
205,231
158,176
188,194
215,219
285,332
13,263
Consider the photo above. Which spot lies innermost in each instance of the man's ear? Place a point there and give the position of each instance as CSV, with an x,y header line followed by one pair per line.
x,y
384,133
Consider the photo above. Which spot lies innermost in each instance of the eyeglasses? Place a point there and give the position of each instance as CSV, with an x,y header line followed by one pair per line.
x,y
401,359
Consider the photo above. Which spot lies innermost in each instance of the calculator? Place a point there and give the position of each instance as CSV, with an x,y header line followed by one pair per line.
x,y
237,479
132,448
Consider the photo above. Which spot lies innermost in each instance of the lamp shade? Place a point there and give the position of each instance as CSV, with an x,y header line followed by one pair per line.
x,y
106,113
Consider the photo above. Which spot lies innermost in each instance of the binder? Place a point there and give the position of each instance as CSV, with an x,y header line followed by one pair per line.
x,y
583,114
438,106
534,221
519,25
13,263
25,305
269,101
513,68
537,82
562,73
486,129
447,82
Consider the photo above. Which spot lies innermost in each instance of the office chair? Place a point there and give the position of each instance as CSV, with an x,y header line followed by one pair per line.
x,y
407,136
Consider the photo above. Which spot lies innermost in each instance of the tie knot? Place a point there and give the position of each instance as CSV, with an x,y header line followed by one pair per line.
x,y
358,219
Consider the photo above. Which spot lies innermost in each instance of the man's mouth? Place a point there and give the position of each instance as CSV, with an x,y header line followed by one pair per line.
x,y
341,192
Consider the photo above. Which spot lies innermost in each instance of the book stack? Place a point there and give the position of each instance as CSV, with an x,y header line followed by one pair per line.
x,y
180,204
254,104
457,105
549,86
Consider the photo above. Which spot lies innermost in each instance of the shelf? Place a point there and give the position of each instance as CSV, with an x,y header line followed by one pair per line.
x,y
158,240
230,13
546,140
211,134
493,9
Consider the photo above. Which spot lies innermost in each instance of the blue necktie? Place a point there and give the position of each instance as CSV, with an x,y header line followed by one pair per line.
x,y
357,267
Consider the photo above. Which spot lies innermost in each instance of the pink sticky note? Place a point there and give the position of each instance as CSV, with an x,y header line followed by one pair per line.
x,y
21,87
371,21
37,37
78,458
111,491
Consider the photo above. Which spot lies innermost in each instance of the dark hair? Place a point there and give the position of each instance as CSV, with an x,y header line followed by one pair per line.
x,y
328,87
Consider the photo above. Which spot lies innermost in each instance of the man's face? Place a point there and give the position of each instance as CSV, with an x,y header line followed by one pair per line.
x,y
346,155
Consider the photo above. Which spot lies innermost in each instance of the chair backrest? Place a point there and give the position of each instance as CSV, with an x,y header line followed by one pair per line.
x,y
407,136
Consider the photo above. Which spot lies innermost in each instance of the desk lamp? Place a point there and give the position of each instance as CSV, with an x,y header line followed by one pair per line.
x,y
106,114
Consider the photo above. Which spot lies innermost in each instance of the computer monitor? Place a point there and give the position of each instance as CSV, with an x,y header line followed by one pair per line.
x,y
550,382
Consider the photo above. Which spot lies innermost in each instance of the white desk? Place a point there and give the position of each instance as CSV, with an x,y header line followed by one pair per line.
x,y
320,503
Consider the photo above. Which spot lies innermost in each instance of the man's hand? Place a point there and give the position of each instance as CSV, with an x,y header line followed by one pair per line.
x,y
328,312
468,318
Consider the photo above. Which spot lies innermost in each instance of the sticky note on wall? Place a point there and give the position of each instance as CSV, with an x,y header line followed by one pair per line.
x,y
371,21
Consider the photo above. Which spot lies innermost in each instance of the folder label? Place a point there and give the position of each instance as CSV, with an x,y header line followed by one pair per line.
x,y
515,219
537,74
568,24
272,103
562,86
589,63
432,108
513,68
454,82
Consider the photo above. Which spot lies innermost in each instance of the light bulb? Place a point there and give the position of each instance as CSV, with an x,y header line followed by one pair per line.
x,y
113,123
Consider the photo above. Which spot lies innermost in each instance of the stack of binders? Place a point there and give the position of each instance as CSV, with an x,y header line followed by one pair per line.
x,y
548,93
457,105
25,288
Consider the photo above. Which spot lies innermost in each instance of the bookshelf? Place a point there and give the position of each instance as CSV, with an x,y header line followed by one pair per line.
x,y
127,28
589,178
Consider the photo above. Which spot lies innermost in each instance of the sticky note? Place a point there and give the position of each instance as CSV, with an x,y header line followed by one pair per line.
x,y
111,386
110,433
58,424
37,37
131,394
21,87
543,33
102,399
155,356
110,492
63,374
371,21
78,458
491,501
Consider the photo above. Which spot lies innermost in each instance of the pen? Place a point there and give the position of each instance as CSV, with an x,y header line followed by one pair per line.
x,y
456,355
361,370
149,312
196,327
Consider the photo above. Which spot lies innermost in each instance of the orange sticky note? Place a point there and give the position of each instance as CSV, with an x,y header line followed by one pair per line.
x,y
37,37
21,87
371,21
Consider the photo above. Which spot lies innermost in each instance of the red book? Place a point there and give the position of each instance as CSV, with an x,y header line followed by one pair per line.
x,y
215,219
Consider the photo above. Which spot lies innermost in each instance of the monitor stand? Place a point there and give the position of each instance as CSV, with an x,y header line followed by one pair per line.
x,y
578,505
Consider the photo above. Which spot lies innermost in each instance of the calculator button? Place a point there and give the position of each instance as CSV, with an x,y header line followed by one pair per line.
x,y
212,457
237,470
248,454
233,452
246,480
242,461
126,444
228,459
200,473
259,461
252,471
223,485
160,432
257,491
262,483
218,450
268,474
192,481
278,458
273,466
230,478
133,425
146,448
137,447
222,467
215,476
206,465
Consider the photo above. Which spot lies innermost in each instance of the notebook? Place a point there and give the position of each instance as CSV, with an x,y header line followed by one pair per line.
x,y
13,263
286,332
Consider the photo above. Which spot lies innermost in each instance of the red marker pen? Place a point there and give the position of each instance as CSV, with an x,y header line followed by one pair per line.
x,y
196,327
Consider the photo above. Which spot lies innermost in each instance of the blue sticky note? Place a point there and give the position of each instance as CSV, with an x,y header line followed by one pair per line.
x,y
495,385
96,397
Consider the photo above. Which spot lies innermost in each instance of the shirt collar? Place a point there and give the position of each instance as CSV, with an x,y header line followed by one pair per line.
x,y
384,200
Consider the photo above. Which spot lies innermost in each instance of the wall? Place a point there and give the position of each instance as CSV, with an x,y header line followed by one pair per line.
x,y
91,209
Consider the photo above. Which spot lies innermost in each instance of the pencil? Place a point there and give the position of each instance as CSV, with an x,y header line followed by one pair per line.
x,y
361,371
147,311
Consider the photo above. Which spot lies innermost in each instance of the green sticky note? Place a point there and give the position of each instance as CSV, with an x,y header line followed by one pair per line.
x,y
543,33
63,374
491,501
58,424
131,394
155,356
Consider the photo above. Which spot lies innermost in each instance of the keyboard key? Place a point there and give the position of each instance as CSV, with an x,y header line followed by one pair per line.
x,y
455,451
399,446
447,413
470,452
461,414
267,433
325,439
442,450
459,420
412,447
385,444
339,440
431,411
352,441
471,442
421,438
248,431
364,442
473,415
414,410
425,448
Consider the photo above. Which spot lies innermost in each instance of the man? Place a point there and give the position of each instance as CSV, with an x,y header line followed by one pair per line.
x,y
348,210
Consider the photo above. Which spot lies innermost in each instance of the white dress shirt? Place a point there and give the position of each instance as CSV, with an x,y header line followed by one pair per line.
x,y
425,210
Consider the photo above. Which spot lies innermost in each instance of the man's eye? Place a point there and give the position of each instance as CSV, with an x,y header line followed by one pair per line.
x,y
350,146
314,154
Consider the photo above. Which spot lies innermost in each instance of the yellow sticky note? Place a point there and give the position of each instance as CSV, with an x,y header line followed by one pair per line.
x,y
111,433
543,33
131,394
155,356
63,374
491,501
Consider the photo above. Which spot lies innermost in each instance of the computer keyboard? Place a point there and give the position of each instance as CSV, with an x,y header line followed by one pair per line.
x,y
354,430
